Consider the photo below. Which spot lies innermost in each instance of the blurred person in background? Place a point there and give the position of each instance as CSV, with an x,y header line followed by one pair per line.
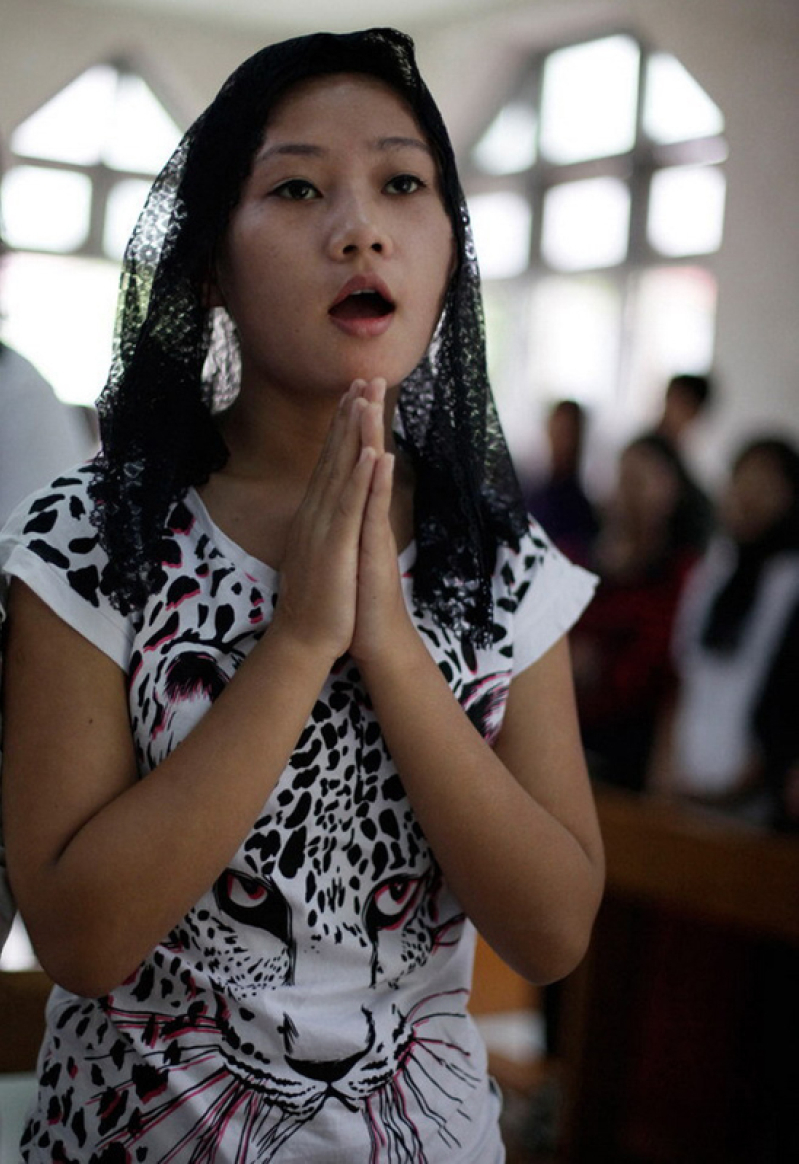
x,y
650,539
557,499
731,738
40,435
776,727
688,397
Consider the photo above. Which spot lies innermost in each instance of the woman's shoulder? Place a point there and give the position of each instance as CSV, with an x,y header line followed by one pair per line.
x,y
53,513
50,543
532,561
540,590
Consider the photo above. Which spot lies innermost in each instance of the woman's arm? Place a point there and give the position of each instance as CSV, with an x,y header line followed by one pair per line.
x,y
104,864
514,828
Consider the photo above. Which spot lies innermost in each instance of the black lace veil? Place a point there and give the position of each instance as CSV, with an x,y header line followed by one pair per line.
x,y
176,362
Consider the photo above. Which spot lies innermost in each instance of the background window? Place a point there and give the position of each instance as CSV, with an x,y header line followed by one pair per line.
x,y
80,170
588,100
599,193
586,224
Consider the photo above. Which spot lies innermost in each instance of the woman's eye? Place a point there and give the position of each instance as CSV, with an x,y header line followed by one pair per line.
x,y
404,184
296,190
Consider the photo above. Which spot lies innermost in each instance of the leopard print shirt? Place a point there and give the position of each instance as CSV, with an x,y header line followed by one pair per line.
x,y
312,1004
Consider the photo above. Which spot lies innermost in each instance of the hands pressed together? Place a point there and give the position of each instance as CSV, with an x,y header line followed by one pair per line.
x,y
340,587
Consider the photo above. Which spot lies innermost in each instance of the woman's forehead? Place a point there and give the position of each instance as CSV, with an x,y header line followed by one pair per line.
x,y
312,96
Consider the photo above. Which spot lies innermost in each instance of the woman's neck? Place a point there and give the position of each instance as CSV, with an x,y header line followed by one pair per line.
x,y
275,437
275,443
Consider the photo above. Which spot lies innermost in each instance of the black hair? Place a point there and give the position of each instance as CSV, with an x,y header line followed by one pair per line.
x,y
687,528
701,389
728,614
176,362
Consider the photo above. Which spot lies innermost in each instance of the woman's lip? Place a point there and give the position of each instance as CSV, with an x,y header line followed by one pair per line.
x,y
364,282
366,327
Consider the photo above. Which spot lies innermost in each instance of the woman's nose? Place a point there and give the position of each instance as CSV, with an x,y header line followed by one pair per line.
x,y
357,229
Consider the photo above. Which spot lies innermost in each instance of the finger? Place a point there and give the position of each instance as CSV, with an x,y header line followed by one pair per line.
x,y
375,390
383,482
341,449
378,505
373,430
351,501
335,431
372,434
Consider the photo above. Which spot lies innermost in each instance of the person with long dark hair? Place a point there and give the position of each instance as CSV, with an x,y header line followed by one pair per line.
x,y
288,704
648,543
733,627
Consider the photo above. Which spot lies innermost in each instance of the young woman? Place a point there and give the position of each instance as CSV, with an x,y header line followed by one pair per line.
x,y
260,768
730,739
649,542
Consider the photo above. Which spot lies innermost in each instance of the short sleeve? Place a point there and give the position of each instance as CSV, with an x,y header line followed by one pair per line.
x,y
554,593
51,545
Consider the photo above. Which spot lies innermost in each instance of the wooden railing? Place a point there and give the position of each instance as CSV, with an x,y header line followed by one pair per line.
x,y
694,901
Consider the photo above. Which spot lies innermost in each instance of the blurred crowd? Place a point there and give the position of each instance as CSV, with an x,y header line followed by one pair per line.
x,y
687,662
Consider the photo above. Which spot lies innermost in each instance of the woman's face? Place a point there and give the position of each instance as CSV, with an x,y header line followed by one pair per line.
x,y
647,489
339,251
756,498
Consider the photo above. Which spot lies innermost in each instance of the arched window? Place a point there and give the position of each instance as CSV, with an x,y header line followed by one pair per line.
x,y
77,175
597,194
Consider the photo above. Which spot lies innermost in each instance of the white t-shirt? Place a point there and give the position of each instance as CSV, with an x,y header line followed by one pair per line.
x,y
713,732
312,1005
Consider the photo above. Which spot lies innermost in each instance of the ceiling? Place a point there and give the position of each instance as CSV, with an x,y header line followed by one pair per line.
x,y
311,15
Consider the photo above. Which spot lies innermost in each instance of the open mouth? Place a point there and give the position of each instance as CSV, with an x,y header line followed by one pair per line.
x,y
366,304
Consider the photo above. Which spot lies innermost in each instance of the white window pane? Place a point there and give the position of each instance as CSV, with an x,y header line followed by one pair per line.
x,y
676,107
588,107
141,135
686,210
501,224
586,224
73,125
671,330
46,209
575,333
508,145
125,201
60,313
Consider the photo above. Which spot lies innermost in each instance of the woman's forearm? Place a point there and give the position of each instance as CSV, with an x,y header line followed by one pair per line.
x,y
121,880
529,883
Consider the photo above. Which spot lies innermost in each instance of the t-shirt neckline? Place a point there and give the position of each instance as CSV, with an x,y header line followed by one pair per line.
x,y
255,567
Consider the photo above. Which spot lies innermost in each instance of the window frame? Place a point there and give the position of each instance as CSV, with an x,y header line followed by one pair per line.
x,y
635,167
101,176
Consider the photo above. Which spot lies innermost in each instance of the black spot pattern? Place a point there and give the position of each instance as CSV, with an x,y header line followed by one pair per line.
x,y
335,891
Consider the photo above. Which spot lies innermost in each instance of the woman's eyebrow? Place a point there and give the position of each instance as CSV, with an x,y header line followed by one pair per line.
x,y
297,149
398,143
300,149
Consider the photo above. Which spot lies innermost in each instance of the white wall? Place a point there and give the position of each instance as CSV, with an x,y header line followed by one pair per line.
x,y
743,52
